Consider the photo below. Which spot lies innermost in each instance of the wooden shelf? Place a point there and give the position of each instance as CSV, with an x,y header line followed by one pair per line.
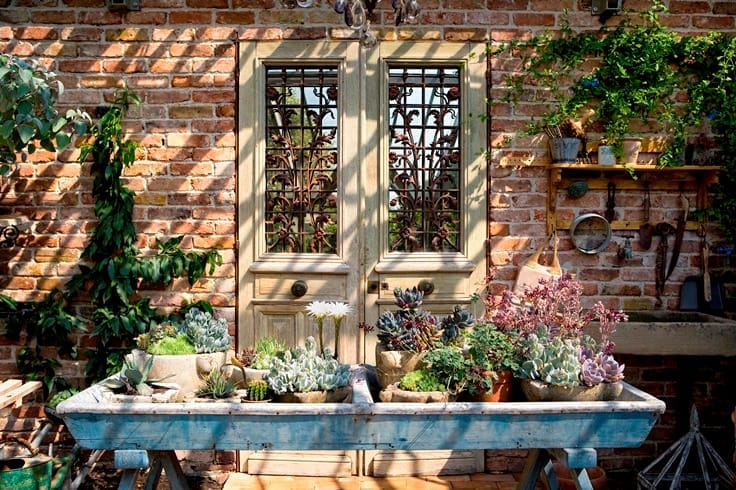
x,y
695,177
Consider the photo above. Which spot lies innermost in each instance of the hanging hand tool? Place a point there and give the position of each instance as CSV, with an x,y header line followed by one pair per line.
x,y
663,230
646,228
679,234
611,203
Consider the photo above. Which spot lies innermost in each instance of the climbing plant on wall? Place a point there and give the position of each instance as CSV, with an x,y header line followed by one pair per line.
x,y
112,271
636,77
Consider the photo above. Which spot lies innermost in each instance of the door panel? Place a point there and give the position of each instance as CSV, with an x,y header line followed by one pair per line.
x,y
360,171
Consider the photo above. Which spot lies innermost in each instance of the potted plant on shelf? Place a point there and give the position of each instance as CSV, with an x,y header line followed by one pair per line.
x,y
406,334
304,375
189,350
629,78
558,360
493,360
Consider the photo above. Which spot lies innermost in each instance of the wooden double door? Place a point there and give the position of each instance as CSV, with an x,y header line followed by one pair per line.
x,y
360,171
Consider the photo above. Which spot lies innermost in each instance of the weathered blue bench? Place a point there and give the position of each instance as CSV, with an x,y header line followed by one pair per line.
x,y
147,434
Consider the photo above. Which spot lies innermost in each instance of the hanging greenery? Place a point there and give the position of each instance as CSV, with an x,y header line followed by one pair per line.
x,y
637,77
112,273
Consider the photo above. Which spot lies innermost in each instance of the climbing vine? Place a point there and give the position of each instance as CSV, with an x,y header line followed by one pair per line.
x,y
112,273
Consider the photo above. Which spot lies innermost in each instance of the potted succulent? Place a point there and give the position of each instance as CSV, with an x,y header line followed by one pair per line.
x,y
304,375
558,360
217,385
406,334
135,379
493,360
440,379
254,362
188,350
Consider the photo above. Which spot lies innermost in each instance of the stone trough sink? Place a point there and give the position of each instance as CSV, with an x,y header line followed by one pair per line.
x,y
662,333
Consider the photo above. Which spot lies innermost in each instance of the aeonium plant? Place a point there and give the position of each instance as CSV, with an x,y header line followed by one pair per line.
x,y
550,321
410,328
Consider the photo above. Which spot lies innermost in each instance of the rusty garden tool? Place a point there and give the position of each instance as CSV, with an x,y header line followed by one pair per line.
x,y
664,230
611,203
646,230
679,234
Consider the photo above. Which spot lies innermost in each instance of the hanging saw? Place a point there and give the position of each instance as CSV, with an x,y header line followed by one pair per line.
x,y
679,234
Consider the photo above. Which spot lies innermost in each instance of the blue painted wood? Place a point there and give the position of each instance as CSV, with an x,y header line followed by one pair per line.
x,y
137,458
97,423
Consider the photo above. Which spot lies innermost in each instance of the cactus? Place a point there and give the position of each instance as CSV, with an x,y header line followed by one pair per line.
x,y
257,390
303,369
206,333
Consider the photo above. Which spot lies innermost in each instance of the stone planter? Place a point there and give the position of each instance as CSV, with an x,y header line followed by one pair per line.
x,y
392,365
539,391
187,370
342,394
394,394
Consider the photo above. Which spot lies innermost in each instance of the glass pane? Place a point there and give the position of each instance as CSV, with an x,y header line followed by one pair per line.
x,y
301,159
424,159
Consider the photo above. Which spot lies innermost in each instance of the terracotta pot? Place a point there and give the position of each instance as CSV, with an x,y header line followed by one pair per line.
x,y
631,149
392,365
596,475
502,389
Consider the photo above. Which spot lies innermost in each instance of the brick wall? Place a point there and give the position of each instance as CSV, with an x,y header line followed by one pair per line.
x,y
180,56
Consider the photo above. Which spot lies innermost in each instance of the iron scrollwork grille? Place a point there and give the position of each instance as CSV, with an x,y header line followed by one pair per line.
x,y
301,194
424,159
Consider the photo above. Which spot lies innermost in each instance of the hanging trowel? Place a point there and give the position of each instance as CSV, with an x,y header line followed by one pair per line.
x,y
646,230
679,234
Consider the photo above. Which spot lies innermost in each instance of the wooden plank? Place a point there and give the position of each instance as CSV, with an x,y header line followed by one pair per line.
x,y
13,391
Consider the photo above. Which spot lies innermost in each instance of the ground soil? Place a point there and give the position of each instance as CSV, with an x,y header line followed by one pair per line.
x,y
108,478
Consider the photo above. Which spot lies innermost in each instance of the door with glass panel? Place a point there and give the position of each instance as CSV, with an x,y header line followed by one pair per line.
x,y
360,171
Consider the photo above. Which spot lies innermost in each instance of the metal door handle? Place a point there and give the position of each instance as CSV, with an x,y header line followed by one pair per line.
x,y
299,288
426,286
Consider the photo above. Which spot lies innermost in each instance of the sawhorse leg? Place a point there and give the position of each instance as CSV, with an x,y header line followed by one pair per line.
x,y
132,461
539,462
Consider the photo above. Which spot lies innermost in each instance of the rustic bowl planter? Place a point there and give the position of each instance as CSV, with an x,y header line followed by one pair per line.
x,y
539,391
394,394
338,395
392,365
186,370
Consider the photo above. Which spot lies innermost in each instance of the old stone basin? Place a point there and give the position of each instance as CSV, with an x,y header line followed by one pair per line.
x,y
689,333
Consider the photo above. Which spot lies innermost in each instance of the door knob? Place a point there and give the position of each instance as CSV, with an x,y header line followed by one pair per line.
x,y
299,288
426,286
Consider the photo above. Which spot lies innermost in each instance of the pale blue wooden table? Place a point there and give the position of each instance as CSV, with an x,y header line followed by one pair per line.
x,y
144,433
